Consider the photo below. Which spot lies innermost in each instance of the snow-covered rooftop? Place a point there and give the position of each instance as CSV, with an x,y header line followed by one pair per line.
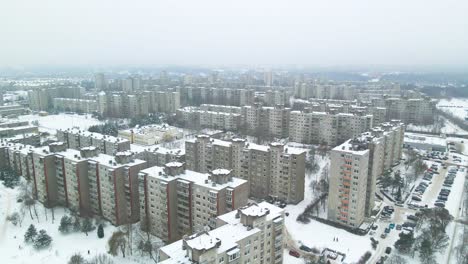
x,y
201,179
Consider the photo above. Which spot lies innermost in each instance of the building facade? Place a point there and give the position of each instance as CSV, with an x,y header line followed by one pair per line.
x,y
175,202
272,171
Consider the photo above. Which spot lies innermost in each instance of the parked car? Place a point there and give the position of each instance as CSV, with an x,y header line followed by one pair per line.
x,y
384,235
443,198
398,227
294,253
412,217
305,248
438,204
409,224
388,250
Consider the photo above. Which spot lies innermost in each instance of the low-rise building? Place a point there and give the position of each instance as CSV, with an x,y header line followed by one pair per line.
x,y
151,134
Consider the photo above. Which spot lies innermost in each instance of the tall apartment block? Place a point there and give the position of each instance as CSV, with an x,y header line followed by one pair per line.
x,y
273,170
256,119
325,128
195,96
355,166
251,234
206,118
419,111
340,91
266,121
83,180
100,82
139,103
175,202
76,139
75,105
40,99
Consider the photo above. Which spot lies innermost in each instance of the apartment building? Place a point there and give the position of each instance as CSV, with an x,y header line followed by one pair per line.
x,y
418,111
196,118
84,180
167,101
41,99
195,96
324,128
114,182
273,170
16,157
151,134
75,105
251,234
119,104
100,82
266,121
175,202
355,166
275,97
158,156
75,139
341,91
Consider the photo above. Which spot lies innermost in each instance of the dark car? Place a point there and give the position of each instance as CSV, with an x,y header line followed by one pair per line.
x,y
409,224
305,248
443,198
294,253
445,191
412,217
442,205
388,250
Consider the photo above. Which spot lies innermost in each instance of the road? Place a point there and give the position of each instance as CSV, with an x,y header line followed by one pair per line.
x,y
461,215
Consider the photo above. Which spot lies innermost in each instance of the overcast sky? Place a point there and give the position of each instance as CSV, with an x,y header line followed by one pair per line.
x,y
308,32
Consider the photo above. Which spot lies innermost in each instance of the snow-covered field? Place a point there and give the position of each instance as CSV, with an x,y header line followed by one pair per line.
x,y
456,106
448,128
51,123
13,249
319,235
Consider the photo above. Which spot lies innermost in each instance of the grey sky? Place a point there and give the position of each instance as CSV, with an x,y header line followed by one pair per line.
x,y
352,32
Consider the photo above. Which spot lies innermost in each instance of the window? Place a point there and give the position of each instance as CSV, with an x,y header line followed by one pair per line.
x,y
234,256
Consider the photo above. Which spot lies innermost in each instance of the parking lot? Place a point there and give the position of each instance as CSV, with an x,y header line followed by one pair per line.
x,y
441,185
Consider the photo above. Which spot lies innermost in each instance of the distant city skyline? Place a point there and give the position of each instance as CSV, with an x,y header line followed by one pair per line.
x,y
207,32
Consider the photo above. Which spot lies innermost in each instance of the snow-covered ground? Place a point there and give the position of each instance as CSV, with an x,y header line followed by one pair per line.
x,y
13,249
51,123
319,235
448,128
456,106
